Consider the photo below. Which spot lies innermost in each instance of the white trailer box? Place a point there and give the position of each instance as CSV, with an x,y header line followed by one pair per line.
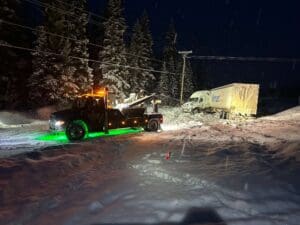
x,y
236,98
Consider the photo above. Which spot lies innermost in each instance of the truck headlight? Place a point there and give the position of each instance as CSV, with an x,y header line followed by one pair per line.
x,y
59,123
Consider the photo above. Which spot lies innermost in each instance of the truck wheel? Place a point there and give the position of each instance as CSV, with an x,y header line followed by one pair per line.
x,y
75,131
195,111
152,126
224,115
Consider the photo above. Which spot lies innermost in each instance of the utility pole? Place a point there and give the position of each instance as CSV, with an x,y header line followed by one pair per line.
x,y
184,56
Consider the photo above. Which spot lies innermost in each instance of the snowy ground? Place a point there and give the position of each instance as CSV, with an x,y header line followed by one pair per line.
x,y
245,171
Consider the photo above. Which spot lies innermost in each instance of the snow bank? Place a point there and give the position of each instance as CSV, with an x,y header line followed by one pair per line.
x,y
11,119
290,114
14,118
175,119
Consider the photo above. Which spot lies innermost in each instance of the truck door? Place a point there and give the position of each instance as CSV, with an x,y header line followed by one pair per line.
x,y
95,113
200,101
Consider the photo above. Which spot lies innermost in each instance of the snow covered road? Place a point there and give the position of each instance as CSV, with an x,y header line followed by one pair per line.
x,y
245,172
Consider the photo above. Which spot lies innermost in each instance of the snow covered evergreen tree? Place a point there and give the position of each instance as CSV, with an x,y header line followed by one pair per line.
x,y
141,52
171,57
77,29
188,87
114,72
164,84
36,82
146,52
135,49
8,9
54,79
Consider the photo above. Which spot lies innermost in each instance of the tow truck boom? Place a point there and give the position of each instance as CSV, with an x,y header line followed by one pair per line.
x,y
141,100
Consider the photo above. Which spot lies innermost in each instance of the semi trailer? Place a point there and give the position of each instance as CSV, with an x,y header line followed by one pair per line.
x,y
232,99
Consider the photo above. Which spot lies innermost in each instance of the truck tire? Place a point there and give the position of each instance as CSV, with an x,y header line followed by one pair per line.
x,y
224,115
195,111
76,131
152,126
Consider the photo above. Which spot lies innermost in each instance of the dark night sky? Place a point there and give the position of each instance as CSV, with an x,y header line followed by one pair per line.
x,y
261,28
223,27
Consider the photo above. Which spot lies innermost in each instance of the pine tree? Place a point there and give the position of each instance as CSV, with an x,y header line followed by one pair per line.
x,y
96,34
54,79
37,81
147,53
115,75
189,86
77,24
164,84
170,56
136,48
140,53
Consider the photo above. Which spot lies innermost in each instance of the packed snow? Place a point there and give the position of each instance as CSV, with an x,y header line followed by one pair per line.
x,y
245,171
16,120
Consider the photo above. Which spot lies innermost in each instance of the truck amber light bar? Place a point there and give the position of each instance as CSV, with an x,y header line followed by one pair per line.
x,y
102,92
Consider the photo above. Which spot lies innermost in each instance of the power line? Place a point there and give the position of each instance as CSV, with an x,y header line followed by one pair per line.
x,y
45,5
247,59
64,12
74,39
80,58
46,32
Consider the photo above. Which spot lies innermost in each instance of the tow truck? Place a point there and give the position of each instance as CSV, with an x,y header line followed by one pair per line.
x,y
95,113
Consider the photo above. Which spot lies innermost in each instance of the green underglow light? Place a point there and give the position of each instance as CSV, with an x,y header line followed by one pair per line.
x,y
61,136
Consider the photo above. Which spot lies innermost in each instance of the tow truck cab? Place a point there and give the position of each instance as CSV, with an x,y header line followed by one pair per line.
x,y
92,113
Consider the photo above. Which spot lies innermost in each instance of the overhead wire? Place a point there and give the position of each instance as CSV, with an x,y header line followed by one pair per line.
x,y
70,38
80,58
249,59
46,32
39,3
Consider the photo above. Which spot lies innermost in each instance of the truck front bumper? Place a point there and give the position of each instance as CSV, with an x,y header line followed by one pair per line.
x,y
186,110
56,125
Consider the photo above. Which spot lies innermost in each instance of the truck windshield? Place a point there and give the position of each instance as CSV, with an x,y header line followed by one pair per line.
x,y
79,103
193,99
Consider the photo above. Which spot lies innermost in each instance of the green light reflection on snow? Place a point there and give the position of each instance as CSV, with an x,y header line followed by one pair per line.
x,y
61,136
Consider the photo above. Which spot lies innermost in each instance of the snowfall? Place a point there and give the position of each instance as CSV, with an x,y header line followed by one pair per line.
x,y
222,171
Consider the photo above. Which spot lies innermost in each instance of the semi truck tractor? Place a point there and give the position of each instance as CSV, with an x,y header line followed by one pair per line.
x,y
230,100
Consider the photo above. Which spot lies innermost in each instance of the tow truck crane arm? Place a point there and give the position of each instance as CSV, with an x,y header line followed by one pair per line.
x,y
141,100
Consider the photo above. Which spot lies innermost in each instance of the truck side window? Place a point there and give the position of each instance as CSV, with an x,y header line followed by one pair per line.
x,y
201,100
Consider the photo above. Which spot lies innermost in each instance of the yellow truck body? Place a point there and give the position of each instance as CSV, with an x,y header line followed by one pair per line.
x,y
236,98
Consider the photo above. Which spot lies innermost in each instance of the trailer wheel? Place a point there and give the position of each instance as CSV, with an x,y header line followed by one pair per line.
x,y
76,130
152,126
224,115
